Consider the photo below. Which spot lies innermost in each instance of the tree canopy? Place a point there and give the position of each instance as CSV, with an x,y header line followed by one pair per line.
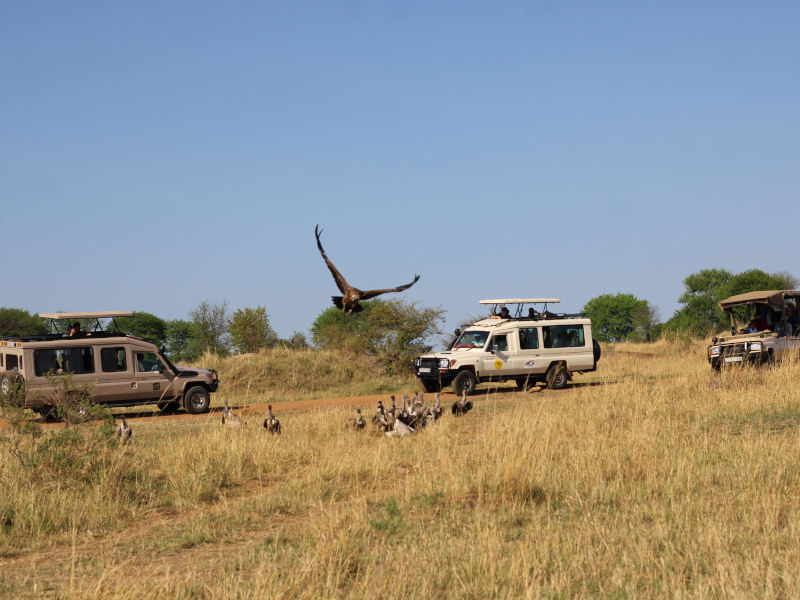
x,y
614,317
250,330
15,321
394,331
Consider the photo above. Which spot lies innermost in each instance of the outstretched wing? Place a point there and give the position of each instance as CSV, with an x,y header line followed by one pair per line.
x,y
366,295
341,282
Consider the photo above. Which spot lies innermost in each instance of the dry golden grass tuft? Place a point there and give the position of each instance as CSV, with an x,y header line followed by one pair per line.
x,y
660,479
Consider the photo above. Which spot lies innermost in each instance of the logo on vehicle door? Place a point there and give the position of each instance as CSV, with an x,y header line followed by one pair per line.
x,y
498,364
529,364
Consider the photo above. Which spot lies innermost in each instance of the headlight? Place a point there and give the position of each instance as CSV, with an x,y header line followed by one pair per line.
x,y
715,351
755,347
417,362
444,363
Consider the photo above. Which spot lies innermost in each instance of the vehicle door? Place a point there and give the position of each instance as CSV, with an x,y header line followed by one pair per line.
x,y
153,377
116,381
527,359
497,356
569,343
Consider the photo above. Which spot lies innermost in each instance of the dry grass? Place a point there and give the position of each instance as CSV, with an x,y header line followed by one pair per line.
x,y
663,480
281,375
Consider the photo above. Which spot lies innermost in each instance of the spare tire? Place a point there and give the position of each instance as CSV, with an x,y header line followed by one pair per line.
x,y
596,350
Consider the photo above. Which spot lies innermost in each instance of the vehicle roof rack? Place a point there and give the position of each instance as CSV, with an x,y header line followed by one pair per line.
x,y
89,316
521,301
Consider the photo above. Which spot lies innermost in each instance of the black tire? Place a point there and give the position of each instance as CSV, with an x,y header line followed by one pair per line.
x,y
596,350
197,400
465,382
47,413
431,385
557,377
168,407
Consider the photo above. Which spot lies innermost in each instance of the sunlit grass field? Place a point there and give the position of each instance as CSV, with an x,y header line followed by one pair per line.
x,y
652,477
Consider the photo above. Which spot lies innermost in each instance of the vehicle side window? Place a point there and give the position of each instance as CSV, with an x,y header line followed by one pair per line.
x,y
563,336
501,341
147,361
113,360
11,362
45,362
63,360
528,338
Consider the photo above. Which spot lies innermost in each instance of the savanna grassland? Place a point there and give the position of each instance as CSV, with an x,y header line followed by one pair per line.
x,y
651,478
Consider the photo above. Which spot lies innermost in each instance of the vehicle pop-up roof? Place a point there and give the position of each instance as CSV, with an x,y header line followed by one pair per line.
x,y
521,302
773,298
88,316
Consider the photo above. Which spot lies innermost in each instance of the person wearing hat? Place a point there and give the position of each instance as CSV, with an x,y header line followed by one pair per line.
x,y
791,318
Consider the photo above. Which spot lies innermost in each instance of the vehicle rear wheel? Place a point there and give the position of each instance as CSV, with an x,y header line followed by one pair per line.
x,y
168,407
431,385
465,382
197,400
557,377
46,412
596,350
11,386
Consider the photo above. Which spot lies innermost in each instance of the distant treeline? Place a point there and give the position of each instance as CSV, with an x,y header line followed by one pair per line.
x,y
395,331
620,317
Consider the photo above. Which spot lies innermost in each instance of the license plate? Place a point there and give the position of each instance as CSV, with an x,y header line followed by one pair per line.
x,y
733,359
424,370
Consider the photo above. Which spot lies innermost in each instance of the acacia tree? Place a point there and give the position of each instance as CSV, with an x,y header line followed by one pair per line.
x,y
210,328
613,316
394,331
250,330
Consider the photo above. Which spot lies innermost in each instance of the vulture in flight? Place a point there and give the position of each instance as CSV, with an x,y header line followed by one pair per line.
x,y
349,300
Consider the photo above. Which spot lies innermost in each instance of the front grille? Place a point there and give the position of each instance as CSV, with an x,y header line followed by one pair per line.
x,y
431,363
733,349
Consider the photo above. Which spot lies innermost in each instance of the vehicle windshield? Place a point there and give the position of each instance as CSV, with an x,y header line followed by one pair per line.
x,y
472,339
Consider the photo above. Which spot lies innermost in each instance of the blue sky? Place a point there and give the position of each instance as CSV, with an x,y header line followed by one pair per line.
x,y
154,155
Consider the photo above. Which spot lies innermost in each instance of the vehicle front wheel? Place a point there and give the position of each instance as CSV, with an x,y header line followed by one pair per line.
x,y
557,378
197,400
431,385
465,382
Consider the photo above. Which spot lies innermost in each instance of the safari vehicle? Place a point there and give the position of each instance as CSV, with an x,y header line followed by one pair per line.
x,y
120,369
525,348
761,330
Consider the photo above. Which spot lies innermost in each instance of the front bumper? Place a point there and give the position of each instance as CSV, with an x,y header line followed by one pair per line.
x,y
429,369
738,358
214,381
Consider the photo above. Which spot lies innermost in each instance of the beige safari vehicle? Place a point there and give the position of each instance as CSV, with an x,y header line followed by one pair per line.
x,y
762,330
522,347
120,369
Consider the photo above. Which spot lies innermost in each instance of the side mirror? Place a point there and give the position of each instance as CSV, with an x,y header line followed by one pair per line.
x,y
495,348
457,332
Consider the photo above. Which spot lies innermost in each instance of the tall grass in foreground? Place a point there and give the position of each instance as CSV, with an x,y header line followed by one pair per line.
x,y
684,484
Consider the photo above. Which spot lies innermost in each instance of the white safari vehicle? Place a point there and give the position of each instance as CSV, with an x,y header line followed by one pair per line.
x,y
525,346
120,369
